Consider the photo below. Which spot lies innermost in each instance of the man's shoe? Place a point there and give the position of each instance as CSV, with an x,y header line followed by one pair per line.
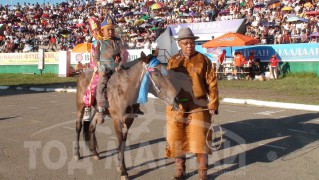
x,y
87,114
179,175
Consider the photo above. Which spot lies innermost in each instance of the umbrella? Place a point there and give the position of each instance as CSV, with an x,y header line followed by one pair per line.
x,y
133,35
138,22
296,18
267,24
64,32
146,25
145,17
23,29
99,1
80,24
82,48
139,38
272,2
128,13
183,15
259,5
231,2
193,14
124,8
156,6
308,4
224,12
310,13
149,3
158,15
154,28
189,3
46,16
315,34
137,13
287,8
230,39
53,16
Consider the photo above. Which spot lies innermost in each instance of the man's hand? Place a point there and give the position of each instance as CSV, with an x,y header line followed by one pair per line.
x,y
117,59
118,68
213,112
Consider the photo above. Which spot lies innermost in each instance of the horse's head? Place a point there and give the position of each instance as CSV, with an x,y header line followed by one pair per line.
x,y
160,80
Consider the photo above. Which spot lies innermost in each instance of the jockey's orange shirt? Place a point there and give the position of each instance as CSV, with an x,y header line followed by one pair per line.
x,y
238,60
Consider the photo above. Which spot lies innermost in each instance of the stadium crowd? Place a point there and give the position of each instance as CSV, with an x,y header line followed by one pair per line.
x,y
25,26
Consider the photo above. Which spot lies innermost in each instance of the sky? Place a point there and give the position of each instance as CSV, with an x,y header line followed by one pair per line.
x,y
31,1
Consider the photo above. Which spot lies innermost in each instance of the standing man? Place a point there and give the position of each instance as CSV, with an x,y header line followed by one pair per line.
x,y
238,61
274,66
186,133
220,66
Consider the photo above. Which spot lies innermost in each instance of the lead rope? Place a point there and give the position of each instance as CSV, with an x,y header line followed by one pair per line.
x,y
213,119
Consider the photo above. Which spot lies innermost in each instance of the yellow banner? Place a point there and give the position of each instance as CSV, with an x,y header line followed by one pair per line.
x,y
28,58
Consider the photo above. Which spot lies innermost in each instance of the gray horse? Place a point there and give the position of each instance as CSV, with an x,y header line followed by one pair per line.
x,y
122,93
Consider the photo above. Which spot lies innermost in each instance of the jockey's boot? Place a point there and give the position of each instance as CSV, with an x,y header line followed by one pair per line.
x,y
137,110
100,115
202,160
180,168
87,114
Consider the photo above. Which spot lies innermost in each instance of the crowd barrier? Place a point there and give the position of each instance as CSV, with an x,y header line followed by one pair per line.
x,y
298,57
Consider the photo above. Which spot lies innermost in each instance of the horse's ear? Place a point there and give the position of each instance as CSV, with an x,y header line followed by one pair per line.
x,y
144,58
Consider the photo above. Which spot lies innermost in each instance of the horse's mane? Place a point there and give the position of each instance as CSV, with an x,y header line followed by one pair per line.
x,y
129,64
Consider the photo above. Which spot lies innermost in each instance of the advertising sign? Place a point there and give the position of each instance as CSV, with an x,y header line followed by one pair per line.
x,y
28,58
284,52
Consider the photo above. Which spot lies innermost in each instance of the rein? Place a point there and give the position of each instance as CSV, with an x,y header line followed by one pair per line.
x,y
213,119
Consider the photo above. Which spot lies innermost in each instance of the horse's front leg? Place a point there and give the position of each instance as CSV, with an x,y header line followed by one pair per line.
x,y
121,133
93,141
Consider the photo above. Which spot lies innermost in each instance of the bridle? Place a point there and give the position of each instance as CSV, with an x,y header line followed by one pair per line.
x,y
162,94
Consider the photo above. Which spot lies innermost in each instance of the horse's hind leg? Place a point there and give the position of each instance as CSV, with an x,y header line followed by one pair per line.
x,y
79,115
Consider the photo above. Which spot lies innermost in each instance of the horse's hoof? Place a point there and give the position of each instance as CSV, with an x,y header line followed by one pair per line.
x,y
124,177
76,157
96,157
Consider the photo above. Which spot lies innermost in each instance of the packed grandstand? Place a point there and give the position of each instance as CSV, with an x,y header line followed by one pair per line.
x,y
60,26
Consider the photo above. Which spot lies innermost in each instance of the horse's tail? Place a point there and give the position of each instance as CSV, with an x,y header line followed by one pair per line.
x,y
89,135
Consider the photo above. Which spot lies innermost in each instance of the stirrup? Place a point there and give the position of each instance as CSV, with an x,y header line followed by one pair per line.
x,y
87,114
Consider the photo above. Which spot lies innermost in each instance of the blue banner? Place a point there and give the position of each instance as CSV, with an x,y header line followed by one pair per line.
x,y
209,27
284,52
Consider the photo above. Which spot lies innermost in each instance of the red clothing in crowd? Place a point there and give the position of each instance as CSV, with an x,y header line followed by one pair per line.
x,y
239,60
273,62
221,58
